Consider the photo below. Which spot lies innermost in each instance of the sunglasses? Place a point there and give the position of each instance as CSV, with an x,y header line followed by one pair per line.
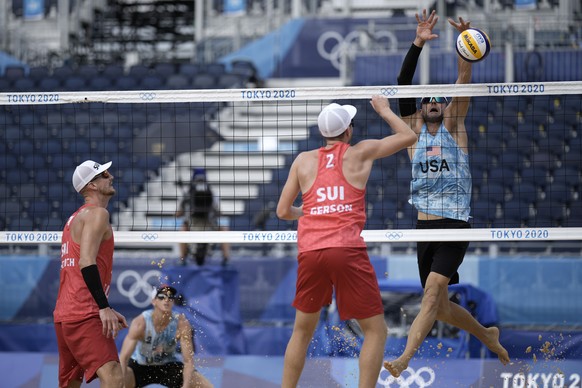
x,y
438,100
164,297
104,174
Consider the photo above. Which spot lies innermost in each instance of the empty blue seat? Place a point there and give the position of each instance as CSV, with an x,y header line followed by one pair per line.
x,y
151,82
21,147
75,83
45,176
516,210
204,81
50,224
526,192
8,162
39,208
493,192
63,72
139,71
36,73
538,176
164,70
113,71
148,162
23,85
122,161
189,69
502,175
14,72
215,68
49,84
122,132
484,210
178,81
21,224
520,146
12,133
559,192
77,146
26,191
61,160
33,161
88,71
567,174
230,81
126,82
100,83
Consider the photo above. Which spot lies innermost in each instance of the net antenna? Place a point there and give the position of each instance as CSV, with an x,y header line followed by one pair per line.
x,y
525,153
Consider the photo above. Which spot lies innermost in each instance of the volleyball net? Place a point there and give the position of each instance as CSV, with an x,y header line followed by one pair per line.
x,y
524,150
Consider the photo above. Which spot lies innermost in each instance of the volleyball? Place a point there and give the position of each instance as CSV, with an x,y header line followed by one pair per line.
x,y
473,45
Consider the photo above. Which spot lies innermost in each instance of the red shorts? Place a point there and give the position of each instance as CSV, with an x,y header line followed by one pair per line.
x,y
349,271
83,349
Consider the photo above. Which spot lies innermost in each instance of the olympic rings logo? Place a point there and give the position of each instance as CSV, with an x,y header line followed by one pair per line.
x,y
132,285
149,236
392,236
389,92
332,46
147,96
421,378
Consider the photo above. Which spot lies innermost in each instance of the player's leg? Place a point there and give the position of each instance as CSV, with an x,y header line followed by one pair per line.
x,y
358,296
372,351
199,381
70,372
184,246
456,315
435,295
110,375
129,377
303,329
96,354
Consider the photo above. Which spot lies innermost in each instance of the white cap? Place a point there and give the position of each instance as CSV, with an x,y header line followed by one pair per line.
x,y
334,119
86,171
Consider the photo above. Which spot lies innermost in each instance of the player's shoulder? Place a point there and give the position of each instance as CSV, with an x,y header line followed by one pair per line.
x,y
305,157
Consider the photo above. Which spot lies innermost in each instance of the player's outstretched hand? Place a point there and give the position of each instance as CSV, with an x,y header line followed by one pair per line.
x,y
461,26
425,26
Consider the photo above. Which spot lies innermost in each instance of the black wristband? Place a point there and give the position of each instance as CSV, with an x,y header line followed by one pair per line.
x,y
93,281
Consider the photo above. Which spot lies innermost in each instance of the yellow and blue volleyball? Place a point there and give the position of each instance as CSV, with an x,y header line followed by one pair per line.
x,y
473,45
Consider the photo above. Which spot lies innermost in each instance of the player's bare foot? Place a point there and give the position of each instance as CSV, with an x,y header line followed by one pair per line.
x,y
495,346
395,367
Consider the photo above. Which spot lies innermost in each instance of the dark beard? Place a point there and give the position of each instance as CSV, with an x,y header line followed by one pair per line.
x,y
428,119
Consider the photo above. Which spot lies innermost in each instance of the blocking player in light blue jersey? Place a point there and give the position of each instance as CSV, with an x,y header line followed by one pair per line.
x,y
149,354
440,191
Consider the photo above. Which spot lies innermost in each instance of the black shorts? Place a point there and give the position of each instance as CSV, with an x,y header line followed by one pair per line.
x,y
169,375
444,257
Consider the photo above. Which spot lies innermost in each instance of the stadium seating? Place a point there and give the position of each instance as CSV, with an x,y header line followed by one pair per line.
x,y
512,165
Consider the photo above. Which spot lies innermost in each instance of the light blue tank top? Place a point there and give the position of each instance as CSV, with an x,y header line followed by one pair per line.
x,y
157,348
441,178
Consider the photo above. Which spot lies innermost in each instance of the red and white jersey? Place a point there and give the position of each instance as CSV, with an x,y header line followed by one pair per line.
x,y
333,210
74,301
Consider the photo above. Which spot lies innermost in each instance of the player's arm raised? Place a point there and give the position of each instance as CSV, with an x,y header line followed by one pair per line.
x,y
135,334
456,111
402,137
